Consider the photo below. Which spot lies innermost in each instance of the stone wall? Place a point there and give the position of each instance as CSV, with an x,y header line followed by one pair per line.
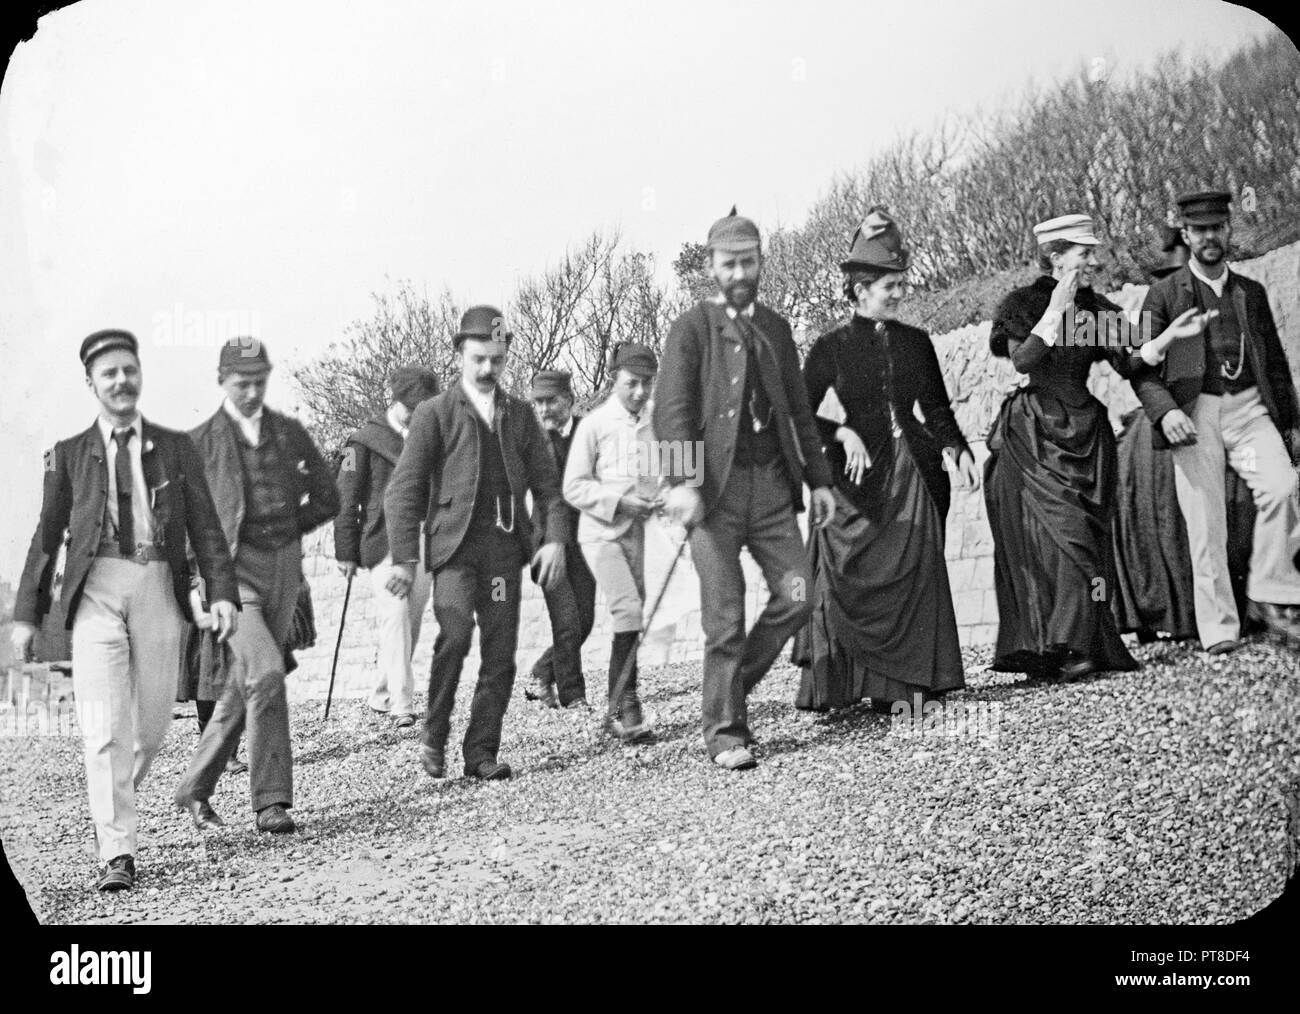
x,y
977,384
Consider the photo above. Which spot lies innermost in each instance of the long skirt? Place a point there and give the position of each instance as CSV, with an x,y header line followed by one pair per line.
x,y
1050,491
882,624
1153,563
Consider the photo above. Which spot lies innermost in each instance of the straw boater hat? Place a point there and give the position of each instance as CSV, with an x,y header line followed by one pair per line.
x,y
1071,228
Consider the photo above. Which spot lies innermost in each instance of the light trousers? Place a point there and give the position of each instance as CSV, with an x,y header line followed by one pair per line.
x,y
126,658
1236,429
398,622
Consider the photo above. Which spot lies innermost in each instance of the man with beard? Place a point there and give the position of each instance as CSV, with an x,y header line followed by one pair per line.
x,y
472,454
1226,398
129,493
361,539
730,383
571,603
271,487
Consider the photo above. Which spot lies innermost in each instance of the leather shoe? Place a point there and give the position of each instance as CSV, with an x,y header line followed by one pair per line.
x,y
1075,667
433,761
119,875
735,759
205,818
404,721
490,770
1223,647
275,819
1281,621
235,766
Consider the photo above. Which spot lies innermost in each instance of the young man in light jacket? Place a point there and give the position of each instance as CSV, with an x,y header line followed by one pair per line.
x,y
609,477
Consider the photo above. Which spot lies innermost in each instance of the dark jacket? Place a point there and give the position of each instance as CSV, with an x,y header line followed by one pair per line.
x,y
701,385
437,476
76,493
1176,382
559,450
869,373
308,475
369,458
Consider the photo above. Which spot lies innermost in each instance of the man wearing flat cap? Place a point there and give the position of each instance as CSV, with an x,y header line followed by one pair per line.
x,y
472,454
271,486
730,383
361,539
610,479
1226,397
557,679
130,494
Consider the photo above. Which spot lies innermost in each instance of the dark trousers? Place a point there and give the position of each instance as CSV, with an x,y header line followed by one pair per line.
x,y
571,605
480,582
755,510
254,694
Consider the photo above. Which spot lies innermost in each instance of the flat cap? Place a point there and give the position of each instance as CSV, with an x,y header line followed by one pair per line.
x,y
107,340
1206,207
243,355
1071,228
636,358
733,233
550,383
413,384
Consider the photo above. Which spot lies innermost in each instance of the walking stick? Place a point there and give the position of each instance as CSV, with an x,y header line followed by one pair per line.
x,y
625,676
347,594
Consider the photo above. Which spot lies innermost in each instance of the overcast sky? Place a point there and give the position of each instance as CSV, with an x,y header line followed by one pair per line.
x,y
269,164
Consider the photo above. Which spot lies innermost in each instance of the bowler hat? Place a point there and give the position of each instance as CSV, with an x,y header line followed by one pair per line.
x,y
552,383
733,233
877,245
1206,207
485,323
105,341
243,355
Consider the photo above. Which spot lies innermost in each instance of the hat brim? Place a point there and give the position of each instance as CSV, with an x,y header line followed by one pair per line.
x,y
1206,218
887,269
461,336
736,245
111,346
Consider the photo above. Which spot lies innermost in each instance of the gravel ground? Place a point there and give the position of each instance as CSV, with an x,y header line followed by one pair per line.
x,y
1147,797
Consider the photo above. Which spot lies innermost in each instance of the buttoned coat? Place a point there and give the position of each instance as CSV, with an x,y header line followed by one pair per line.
x,y
306,472
75,499
437,476
699,392
1176,382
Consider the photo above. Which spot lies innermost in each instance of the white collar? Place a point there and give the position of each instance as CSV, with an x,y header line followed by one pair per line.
x,y
484,403
1216,284
401,430
618,411
567,428
239,416
107,429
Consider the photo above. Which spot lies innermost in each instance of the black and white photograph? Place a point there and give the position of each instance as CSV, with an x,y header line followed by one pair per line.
x,y
676,464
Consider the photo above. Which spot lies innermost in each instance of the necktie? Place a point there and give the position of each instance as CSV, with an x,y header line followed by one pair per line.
x,y
760,407
125,484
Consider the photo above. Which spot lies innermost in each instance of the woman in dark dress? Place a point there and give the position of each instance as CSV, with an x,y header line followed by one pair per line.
x,y
1050,479
883,624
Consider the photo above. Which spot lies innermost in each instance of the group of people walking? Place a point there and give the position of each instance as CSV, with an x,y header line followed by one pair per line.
x,y
721,437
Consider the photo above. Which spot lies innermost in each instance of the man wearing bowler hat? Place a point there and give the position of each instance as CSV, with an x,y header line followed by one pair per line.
x,y
271,486
130,494
1226,397
361,539
472,454
730,382
557,679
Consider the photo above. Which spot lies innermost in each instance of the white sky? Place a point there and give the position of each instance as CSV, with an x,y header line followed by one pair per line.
x,y
273,162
